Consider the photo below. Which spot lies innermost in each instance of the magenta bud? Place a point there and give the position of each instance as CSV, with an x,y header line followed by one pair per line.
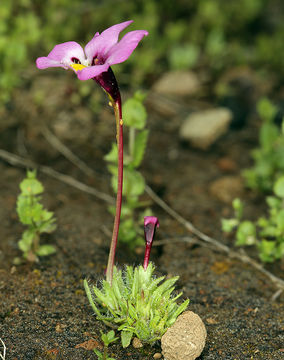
x,y
150,225
108,82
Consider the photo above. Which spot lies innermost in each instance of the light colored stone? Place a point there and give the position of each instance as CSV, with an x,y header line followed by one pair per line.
x,y
136,343
184,340
227,188
157,356
177,83
203,128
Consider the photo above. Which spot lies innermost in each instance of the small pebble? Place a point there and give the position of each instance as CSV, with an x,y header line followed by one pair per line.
x,y
226,164
203,128
178,83
227,188
136,343
157,356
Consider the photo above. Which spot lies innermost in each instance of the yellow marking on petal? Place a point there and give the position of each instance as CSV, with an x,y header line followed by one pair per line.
x,y
121,122
77,67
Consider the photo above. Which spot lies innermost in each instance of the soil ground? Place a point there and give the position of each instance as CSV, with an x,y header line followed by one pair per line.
x,y
44,313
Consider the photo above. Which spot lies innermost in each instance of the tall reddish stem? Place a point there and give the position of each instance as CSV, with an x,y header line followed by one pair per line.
x,y
147,255
108,82
119,136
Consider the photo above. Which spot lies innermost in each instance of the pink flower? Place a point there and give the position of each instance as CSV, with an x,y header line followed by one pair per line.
x,y
99,54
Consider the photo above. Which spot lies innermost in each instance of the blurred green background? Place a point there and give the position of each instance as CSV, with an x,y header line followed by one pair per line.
x,y
183,34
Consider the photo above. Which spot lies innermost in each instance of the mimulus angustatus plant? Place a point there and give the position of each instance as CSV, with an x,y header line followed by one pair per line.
x,y
133,301
94,62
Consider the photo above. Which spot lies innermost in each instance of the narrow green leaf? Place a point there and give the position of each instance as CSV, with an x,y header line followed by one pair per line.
x,y
99,354
112,301
129,276
90,298
166,285
181,308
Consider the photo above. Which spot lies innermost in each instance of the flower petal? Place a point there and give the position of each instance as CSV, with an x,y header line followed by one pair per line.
x,y
151,220
100,44
61,55
92,71
45,62
122,50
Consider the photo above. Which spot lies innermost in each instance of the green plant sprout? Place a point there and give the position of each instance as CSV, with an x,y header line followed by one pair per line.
x,y
135,116
38,220
268,157
107,339
267,233
137,303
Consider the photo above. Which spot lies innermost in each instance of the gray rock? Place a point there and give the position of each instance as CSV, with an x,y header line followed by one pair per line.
x,y
203,128
184,340
177,83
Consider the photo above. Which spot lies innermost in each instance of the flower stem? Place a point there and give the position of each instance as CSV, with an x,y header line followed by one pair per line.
x,y
147,256
119,137
105,353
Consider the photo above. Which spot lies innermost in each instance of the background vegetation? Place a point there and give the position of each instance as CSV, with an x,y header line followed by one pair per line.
x,y
183,34
209,37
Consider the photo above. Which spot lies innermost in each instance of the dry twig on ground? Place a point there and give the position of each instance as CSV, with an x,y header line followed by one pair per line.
x,y
3,355
64,150
69,180
215,243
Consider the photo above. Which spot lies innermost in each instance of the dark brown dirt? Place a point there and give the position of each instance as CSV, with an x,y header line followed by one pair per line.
x,y
44,313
